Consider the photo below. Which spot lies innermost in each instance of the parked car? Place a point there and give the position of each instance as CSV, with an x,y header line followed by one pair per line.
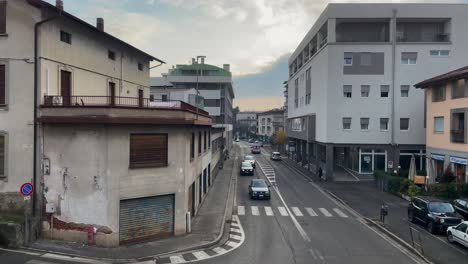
x,y
458,233
246,169
435,214
461,206
250,159
275,156
250,140
259,189
255,149
237,140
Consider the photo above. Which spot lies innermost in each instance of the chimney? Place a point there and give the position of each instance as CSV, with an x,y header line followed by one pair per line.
x,y
59,4
100,23
226,67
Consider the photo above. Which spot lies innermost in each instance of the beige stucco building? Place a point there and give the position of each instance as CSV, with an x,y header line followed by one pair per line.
x,y
446,119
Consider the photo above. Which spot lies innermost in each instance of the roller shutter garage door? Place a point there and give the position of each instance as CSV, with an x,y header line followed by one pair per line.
x,y
146,218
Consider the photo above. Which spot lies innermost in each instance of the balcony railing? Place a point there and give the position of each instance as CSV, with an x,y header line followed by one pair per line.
x,y
458,135
117,101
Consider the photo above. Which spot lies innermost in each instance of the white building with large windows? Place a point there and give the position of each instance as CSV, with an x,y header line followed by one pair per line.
x,y
352,106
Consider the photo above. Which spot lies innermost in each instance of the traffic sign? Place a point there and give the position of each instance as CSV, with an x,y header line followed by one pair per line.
x,y
27,189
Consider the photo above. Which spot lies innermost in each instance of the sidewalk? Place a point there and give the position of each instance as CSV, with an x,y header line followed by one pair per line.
x,y
207,230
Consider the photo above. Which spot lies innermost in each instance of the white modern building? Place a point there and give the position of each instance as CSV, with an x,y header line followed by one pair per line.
x,y
351,101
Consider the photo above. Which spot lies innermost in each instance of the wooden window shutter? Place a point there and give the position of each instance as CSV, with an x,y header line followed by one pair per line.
x,y
149,150
2,85
3,6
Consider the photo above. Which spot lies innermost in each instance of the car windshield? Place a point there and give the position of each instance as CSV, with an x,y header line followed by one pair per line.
x,y
259,184
440,207
249,158
246,165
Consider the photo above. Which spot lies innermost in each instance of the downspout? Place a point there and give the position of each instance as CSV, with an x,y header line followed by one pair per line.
x,y
393,75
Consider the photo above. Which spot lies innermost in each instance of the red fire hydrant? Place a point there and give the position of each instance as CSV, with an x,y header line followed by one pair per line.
x,y
90,235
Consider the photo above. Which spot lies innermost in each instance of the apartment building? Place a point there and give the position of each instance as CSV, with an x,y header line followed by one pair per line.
x,y
212,83
351,103
246,124
447,116
270,122
107,154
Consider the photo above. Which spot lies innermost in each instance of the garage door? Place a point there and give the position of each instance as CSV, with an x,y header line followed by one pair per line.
x,y
146,218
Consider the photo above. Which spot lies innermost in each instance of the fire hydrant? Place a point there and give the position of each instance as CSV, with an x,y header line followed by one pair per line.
x,y
383,212
91,232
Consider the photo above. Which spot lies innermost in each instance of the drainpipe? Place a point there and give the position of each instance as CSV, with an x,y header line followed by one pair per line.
x,y
36,93
393,24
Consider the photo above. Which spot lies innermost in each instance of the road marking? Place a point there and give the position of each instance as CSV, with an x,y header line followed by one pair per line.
x,y
268,211
325,212
339,212
311,211
200,255
241,210
319,255
282,211
296,211
35,261
255,210
231,244
235,237
312,252
21,252
177,259
69,258
219,250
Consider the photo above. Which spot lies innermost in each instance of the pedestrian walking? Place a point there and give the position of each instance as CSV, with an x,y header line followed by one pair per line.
x,y
320,172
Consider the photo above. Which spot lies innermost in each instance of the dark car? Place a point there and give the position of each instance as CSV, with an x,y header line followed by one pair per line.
x,y
259,189
246,169
461,206
255,149
437,215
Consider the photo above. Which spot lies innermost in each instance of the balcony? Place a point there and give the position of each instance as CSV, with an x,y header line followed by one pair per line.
x,y
363,30
457,132
419,30
457,135
121,110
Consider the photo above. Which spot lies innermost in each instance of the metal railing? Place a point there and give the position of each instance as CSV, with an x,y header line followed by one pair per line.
x,y
117,101
458,135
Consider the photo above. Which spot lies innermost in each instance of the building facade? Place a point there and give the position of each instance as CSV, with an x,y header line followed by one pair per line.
x,y
270,122
350,101
447,116
246,124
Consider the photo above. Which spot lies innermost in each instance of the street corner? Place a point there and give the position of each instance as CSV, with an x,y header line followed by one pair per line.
x,y
235,240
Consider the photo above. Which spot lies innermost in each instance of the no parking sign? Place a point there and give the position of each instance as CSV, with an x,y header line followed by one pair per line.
x,y
27,190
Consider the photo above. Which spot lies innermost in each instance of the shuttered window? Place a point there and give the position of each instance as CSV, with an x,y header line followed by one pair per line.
x,y
148,150
2,85
3,5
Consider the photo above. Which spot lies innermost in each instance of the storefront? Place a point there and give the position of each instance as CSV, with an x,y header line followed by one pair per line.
x,y
372,159
459,169
438,166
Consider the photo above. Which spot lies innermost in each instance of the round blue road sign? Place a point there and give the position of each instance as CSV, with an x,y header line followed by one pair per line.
x,y
27,189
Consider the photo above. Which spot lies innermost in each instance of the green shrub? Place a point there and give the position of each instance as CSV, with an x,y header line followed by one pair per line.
x,y
404,185
414,190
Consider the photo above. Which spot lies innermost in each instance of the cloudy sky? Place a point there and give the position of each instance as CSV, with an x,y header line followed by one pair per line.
x,y
255,37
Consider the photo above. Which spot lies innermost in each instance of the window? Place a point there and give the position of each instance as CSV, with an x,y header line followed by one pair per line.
x,y
3,7
404,124
296,93
440,53
199,143
438,94
2,155
65,37
364,123
204,142
164,97
366,59
209,139
347,91
111,55
439,124
384,89
365,89
192,146
409,58
459,90
404,89
383,123
348,60
2,85
140,66
346,122
148,150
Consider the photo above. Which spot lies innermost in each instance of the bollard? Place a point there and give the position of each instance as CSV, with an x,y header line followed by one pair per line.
x,y
90,235
383,212
189,222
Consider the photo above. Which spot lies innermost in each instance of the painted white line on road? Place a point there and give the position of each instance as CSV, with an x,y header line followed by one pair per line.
x,y
339,212
177,259
235,237
35,261
219,250
255,210
325,212
296,211
69,258
241,210
319,255
234,225
311,211
283,211
21,252
200,255
422,230
312,252
231,244
268,211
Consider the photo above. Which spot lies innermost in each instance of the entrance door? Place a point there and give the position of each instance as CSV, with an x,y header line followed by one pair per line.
x,y
111,93
191,200
140,98
204,181
200,191
65,87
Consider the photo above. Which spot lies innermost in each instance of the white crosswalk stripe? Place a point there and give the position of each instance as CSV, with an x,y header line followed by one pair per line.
x,y
177,259
311,211
255,210
325,212
268,211
296,211
283,211
240,210
339,212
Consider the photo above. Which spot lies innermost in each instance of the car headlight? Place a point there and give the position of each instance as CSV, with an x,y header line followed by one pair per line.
x,y
442,220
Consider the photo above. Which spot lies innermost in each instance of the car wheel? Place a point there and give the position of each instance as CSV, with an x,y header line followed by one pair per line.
x,y
411,217
450,237
430,228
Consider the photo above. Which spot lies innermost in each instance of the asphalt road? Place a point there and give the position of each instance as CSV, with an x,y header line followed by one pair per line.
x,y
315,230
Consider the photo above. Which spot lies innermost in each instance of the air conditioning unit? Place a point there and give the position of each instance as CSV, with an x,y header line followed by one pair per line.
x,y
57,100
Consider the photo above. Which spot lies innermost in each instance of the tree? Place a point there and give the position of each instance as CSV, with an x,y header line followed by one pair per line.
x,y
280,138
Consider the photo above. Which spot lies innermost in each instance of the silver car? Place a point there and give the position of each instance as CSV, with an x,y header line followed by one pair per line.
x,y
250,159
259,189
